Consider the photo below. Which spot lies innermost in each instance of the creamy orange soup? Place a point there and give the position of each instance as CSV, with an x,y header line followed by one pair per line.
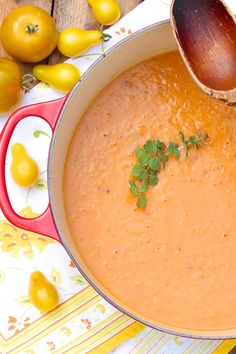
x,y
175,261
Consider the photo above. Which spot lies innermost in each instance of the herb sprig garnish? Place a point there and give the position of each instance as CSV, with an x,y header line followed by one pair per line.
x,y
194,140
152,159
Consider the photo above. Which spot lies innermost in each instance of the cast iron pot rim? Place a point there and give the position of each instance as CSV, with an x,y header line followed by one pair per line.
x,y
53,206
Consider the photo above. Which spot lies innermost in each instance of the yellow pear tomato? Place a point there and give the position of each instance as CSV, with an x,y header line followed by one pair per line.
x,y
106,12
74,41
43,294
62,77
24,170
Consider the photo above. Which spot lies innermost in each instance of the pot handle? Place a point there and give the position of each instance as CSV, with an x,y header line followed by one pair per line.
x,y
50,112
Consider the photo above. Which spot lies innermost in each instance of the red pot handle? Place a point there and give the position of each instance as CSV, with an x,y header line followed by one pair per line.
x,y
50,112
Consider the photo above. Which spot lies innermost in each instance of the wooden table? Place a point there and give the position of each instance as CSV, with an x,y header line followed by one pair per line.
x,y
67,13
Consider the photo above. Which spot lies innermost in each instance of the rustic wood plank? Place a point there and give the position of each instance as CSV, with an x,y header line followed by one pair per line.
x,y
77,13
127,6
7,5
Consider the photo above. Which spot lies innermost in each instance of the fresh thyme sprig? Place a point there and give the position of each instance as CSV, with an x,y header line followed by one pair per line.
x,y
152,158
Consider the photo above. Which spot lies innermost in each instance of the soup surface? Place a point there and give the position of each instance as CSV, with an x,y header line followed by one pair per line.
x,y
173,262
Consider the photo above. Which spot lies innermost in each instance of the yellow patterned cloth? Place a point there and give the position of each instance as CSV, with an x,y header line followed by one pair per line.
x,y
83,322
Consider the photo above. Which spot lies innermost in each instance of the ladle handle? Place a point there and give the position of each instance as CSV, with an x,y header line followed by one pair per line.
x,y
50,112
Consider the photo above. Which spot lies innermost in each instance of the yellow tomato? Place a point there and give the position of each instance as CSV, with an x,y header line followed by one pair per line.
x,y
24,170
10,85
29,34
73,41
106,12
62,77
43,294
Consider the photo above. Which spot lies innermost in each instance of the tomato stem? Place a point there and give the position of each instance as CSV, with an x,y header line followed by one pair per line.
x,y
27,81
105,36
31,29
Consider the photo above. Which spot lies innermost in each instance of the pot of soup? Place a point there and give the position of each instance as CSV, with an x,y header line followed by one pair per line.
x,y
169,263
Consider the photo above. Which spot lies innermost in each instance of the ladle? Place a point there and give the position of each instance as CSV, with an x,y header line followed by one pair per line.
x,y
205,31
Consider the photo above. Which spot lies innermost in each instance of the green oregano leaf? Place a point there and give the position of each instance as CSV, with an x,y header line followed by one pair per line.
x,y
160,145
134,189
173,149
153,180
181,134
154,163
142,156
144,187
142,202
150,146
139,172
